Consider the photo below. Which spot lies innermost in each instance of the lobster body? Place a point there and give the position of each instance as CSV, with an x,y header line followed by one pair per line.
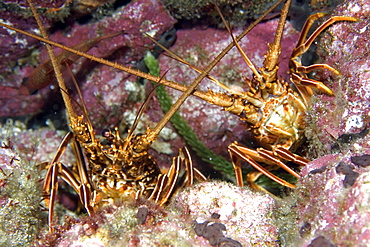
x,y
273,109
117,169
280,121
117,172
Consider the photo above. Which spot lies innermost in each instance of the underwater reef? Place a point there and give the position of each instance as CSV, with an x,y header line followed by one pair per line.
x,y
330,205
332,195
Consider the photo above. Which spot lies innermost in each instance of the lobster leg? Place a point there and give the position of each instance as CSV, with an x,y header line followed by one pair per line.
x,y
251,156
49,183
298,71
303,81
289,156
159,188
166,184
57,169
302,45
84,188
191,171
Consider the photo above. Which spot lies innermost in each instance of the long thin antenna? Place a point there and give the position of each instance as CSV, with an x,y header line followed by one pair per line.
x,y
204,74
57,71
225,102
274,50
145,142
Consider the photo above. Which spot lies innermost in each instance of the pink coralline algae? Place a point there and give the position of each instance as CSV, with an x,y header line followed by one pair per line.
x,y
24,155
111,95
338,210
135,19
20,197
333,193
344,47
15,45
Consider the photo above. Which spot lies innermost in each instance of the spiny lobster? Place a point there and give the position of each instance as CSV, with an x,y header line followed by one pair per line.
x,y
117,169
273,109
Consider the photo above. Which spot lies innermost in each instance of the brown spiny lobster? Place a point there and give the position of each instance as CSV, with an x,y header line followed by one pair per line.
x,y
117,169
273,109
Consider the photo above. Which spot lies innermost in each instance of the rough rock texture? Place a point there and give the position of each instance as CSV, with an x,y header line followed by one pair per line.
x,y
332,195
21,214
334,184
111,96
338,210
345,48
248,224
236,12
246,214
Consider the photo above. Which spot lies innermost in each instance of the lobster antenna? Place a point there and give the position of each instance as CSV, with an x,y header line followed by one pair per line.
x,y
58,74
205,72
205,96
140,113
274,48
173,55
83,105
146,141
245,57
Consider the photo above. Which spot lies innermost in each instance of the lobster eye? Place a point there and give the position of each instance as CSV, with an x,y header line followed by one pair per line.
x,y
107,134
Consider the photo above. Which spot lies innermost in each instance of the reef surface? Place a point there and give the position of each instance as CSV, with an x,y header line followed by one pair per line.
x,y
330,205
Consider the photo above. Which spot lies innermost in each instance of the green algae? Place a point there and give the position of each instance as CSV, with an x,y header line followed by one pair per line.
x,y
183,127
